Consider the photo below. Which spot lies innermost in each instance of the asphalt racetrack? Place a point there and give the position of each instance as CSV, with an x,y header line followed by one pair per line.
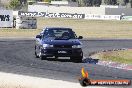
x,y
17,56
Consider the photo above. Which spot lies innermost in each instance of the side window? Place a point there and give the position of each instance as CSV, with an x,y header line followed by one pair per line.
x,y
45,33
75,34
42,32
48,33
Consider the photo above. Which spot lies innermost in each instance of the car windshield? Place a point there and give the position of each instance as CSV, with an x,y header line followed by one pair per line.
x,y
59,33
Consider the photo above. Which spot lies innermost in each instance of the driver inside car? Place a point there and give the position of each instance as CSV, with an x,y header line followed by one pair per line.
x,y
49,33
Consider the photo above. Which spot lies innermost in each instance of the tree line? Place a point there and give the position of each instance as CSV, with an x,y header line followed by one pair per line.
x,y
91,3
103,2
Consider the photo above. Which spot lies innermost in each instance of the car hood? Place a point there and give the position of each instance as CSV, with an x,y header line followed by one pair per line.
x,y
61,42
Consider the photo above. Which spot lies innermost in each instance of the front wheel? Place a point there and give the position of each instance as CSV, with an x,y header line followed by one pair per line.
x,y
42,57
37,56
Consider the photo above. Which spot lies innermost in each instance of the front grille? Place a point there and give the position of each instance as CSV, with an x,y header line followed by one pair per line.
x,y
62,46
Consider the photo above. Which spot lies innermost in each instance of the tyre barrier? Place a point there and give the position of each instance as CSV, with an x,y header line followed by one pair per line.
x,y
92,53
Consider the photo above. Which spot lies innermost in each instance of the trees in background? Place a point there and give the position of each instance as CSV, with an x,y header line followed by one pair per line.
x,y
47,0
131,3
14,4
106,2
96,2
90,3
110,2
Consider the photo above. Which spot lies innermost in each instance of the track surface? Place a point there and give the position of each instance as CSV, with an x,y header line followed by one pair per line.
x,y
17,56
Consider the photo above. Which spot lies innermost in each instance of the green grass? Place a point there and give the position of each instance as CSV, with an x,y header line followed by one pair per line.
x,y
86,28
123,56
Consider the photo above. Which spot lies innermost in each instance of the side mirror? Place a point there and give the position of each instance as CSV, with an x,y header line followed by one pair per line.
x,y
38,36
80,37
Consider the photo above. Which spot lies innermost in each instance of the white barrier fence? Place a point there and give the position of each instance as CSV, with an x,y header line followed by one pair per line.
x,y
70,15
52,15
128,18
102,17
28,19
6,18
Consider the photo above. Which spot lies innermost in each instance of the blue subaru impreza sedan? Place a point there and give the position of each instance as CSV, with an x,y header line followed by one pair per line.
x,y
58,42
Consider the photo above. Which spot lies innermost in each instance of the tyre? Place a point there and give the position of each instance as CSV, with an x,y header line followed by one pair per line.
x,y
42,57
85,82
36,55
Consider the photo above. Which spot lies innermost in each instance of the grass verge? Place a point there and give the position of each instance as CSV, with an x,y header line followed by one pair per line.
x,y
18,33
86,28
9,80
123,56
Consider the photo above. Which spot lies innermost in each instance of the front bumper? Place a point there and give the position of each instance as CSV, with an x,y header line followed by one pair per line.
x,y
59,52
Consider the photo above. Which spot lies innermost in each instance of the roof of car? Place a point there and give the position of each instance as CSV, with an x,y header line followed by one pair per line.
x,y
57,28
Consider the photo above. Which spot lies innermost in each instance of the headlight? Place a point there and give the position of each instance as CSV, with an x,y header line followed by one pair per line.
x,y
47,45
76,46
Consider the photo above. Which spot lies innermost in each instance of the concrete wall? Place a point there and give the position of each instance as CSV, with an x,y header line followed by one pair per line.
x,y
118,11
63,9
80,10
